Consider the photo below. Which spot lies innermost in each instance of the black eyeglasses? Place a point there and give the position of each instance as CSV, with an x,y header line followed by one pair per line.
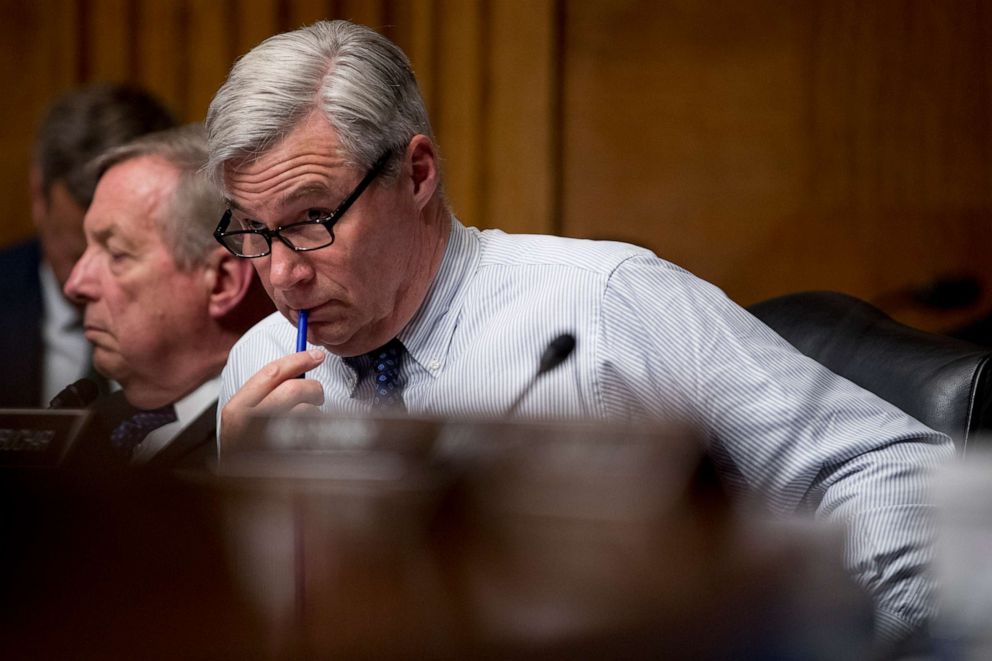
x,y
312,234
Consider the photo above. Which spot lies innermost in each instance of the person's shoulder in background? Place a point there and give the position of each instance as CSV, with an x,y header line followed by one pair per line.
x,y
21,308
19,264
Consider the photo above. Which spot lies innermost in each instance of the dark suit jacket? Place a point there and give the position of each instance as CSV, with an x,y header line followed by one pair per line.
x,y
194,447
22,346
21,309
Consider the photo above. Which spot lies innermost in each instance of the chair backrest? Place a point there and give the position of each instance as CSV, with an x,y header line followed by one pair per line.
x,y
943,382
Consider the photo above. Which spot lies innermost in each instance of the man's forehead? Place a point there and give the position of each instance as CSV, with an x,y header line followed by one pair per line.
x,y
130,197
311,137
143,183
281,162
307,190
316,174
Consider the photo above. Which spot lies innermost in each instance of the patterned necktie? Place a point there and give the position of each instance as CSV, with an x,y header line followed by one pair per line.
x,y
386,362
128,434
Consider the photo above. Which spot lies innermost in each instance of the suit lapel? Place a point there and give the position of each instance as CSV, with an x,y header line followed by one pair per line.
x,y
196,440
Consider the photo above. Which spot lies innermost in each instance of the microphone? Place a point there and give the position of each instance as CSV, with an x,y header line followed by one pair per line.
x,y
76,395
554,355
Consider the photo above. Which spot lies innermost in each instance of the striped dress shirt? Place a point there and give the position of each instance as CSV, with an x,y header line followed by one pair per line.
x,y
656,343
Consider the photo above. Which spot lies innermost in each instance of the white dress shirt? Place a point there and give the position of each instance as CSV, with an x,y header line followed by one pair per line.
x,y
66,353
654,342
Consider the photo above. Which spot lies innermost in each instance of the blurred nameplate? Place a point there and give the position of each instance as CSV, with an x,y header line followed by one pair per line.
x,y
544,453
386,537
377,537
38,437
576,468
313,446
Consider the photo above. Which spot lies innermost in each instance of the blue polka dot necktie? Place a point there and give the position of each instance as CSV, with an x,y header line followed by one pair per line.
x,y
128,434
386,362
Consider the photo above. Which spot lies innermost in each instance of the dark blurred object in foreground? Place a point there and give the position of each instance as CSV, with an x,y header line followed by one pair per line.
x,y
399,538
963,563
126,568
512,540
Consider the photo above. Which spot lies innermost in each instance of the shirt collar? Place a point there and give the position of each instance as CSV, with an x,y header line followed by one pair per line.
x,y
59,312
428,335
188,409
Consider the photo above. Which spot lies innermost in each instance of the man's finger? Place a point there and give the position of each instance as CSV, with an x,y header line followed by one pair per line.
x,y
267,379
285,397
288,394
305,408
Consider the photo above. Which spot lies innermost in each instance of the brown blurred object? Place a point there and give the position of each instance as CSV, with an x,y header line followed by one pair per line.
x,y
332,539
122,566
389,538
510,540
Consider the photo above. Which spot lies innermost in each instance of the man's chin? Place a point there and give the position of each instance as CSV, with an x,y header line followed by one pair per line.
x,y
111,366
336,339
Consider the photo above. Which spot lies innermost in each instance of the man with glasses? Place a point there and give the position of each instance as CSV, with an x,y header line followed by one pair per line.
x,y
322,145
163,302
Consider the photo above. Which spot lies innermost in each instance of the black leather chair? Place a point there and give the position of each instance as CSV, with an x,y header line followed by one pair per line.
x,y
943,382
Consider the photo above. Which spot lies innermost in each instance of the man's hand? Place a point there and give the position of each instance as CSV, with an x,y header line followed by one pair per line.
x,y
273,389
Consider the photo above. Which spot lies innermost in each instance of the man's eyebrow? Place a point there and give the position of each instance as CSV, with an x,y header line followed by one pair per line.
x,y
307,190
102,234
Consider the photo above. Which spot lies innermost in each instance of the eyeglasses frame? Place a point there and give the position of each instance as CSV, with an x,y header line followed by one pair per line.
x,y
328,221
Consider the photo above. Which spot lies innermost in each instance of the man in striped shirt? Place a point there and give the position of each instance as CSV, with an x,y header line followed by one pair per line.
x,y
323,147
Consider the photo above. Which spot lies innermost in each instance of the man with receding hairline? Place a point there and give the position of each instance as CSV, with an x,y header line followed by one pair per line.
x,y
321,143
163,303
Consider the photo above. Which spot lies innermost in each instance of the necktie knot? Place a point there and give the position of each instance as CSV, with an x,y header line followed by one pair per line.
x,y
384,366
128,434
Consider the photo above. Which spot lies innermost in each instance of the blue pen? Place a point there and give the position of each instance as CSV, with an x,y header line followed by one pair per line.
x,y
301,330
301,334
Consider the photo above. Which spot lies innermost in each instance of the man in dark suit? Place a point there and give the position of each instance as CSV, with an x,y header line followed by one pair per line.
x,y
163,301
42,347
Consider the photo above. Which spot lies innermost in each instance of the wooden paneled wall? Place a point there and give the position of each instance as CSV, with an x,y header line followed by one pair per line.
x,y
485,69
773,147
766,146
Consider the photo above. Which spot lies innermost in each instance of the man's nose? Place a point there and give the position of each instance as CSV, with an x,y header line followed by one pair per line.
x,y
81,285
287,268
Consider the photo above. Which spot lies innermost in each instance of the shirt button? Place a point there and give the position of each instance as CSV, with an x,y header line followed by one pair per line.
x,y
434,365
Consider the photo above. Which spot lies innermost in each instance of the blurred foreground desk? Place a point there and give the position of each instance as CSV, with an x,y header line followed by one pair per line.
x,y
399,538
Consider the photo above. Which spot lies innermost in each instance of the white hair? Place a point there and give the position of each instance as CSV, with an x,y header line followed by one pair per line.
x,y
362,82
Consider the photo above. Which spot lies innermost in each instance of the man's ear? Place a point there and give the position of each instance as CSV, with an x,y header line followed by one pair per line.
x,y
228,278
424,173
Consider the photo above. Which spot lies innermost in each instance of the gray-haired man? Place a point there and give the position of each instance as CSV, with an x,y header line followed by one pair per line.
x,y
321,143
163,302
